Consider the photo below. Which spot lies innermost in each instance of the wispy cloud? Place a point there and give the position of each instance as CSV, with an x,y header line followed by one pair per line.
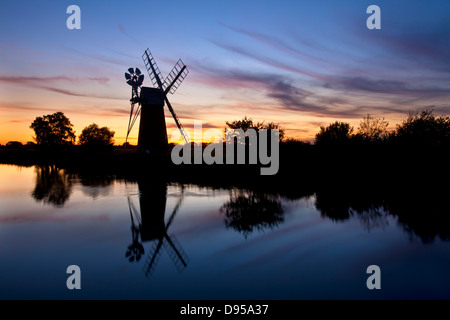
x,y
277,43
385,86
33,80
54,84
125,33
421,49
278,88
281,90
269,61
327,94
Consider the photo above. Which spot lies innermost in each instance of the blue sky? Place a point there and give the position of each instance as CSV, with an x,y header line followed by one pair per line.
x,y
300,63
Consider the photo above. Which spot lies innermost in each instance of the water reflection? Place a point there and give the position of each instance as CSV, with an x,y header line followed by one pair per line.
x,y
148,225
422,212
97,186
52,185
249,210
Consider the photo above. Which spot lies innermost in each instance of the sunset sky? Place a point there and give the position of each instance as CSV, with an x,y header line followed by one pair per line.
x,y
302,64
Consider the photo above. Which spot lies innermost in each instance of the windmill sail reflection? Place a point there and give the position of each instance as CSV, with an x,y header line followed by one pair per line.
x,y
148,225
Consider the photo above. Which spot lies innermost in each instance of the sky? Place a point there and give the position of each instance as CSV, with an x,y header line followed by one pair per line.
x,y
302,64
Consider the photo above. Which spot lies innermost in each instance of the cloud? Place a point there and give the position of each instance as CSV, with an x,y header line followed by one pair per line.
x,y
278,44
205,125
18,106
355,83
269,61
384,86
125,33
341,94
15,121
34,80
280,89
424,49
54,83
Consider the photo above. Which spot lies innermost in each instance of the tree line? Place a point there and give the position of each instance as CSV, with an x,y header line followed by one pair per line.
x,y
56,130
419,128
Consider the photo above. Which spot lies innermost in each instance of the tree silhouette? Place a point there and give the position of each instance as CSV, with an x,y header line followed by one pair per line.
x,y
53,130
424,128
248,123
14,145
335,133
244,124
372,129
94,136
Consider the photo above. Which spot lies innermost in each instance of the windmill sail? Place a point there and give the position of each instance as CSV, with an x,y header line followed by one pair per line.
x,y
152,69
170,84
175,77
177,121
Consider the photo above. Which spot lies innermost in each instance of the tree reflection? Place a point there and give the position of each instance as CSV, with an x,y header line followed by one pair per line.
x,y
96,186
425,213
341,203
374,217
249,210
333,205
421,212
53,185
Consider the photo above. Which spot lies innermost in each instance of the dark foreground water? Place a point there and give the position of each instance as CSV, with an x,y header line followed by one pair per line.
x,y
149,240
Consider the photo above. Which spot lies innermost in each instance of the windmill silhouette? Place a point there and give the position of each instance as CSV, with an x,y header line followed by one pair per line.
x,y
150,104
149,225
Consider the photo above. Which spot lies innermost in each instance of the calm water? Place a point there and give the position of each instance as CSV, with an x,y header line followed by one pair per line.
x,y
149,240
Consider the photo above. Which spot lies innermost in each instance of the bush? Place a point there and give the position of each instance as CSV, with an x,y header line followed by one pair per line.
x,y
95,137
423,128
336,133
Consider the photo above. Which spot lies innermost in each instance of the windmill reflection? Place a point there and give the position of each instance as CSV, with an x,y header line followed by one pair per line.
x,y
53,185
148,225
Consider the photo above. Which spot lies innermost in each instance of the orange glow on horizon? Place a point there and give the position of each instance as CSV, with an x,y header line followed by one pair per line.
x,y
15,123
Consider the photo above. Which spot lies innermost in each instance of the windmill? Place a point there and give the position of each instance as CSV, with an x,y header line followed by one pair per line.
x,y
152,128
149,225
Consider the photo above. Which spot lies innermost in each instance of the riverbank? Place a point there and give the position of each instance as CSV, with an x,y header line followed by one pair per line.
x,y
382,164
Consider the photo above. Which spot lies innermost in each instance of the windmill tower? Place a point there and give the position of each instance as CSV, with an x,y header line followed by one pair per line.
x,y
150,105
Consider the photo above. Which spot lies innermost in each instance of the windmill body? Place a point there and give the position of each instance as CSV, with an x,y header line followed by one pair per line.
x,y
152,127
150,105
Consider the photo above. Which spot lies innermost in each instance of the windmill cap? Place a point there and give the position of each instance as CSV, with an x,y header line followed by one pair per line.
x,y
152,96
